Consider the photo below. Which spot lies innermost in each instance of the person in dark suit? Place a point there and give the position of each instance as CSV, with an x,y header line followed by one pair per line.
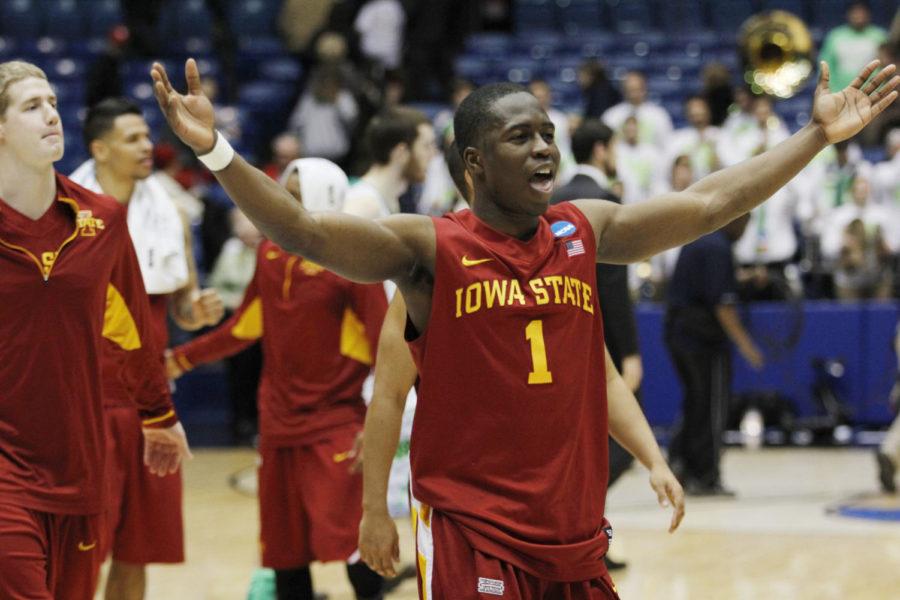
x,y
592,146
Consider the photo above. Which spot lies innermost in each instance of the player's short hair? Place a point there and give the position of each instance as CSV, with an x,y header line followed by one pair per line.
x,y
101,117
476,113
457,169
12,72
397,125
590,133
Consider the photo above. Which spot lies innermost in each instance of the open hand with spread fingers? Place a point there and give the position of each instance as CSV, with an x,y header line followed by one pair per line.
x,y
843,114
190,115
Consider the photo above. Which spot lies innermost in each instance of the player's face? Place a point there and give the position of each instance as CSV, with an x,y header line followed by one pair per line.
x,y
520,158
126,149
424,149
31,129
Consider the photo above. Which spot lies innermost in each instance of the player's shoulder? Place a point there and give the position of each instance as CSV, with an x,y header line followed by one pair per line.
x,y
99,205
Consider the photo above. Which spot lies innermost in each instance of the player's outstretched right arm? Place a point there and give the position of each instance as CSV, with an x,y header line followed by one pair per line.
x,y
358,249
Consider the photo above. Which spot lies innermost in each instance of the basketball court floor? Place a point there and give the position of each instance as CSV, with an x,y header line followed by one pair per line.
x,y
784,537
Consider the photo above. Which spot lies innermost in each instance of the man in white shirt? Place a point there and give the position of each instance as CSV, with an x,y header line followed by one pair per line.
x,y
698,141
654,123
401,144
886,175
742,142
638,164
380,26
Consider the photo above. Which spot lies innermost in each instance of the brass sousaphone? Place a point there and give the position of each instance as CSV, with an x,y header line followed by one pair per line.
x,y
777,53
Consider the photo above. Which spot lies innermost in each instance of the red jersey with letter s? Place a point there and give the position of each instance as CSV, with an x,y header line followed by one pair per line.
x,y
69,282
510,433
319,335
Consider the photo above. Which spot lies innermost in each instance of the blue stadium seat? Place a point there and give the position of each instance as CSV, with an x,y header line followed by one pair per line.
x,y
253,17
86,48
798,7
184,19
534,15
681,15
102,17
20,19
66,69
630,16
728,15
8,48
63,18
286,70
575,16
69,93
827,14
43,48
489,44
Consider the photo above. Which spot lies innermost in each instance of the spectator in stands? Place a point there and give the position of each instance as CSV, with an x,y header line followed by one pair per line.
x,y
859,238
541,90
140,17
285,148
767,248
749,137
380,24
654,123
717,91
443,121
829,179
740,114
325,117
698,141
848,48
701,322
104,78
230,277
886,175
637,163
597,91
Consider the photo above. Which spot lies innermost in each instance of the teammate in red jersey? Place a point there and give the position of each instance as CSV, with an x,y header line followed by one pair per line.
x,y
319,336
70,278
510,434
144,523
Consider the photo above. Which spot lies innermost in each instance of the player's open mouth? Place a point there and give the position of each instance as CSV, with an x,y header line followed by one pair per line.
x,y
542,180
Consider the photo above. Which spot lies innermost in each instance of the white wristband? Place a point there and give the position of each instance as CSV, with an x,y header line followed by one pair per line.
x,y
220,156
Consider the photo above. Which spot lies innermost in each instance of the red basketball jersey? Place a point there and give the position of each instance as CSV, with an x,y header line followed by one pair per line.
x,y
510,434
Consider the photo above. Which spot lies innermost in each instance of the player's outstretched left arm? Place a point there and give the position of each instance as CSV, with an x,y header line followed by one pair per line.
x,y
629,427
632,232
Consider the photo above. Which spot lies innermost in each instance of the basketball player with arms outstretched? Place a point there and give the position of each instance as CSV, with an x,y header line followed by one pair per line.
x,y
509,443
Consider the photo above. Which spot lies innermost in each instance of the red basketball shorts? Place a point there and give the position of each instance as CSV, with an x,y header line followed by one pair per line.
x,y
45,556
310,504
450,569
145,521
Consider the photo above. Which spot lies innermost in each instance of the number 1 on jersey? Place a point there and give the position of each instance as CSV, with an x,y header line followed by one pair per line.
x,y
534,333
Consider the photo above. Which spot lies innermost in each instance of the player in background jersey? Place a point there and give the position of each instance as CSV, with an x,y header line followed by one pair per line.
x,y
395,375
400,141
68,279
509,458
144,522
319,336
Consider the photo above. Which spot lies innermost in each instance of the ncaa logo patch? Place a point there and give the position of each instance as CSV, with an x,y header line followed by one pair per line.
x,y
562,229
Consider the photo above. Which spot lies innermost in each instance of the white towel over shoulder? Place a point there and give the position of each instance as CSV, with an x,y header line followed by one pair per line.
x,y
156,229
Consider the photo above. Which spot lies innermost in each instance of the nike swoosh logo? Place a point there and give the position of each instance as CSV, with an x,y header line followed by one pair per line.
x,y
85,547
468,262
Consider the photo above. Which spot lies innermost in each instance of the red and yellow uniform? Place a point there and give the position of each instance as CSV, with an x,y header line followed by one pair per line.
x,y
509,444
69,280
319,333
144,519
